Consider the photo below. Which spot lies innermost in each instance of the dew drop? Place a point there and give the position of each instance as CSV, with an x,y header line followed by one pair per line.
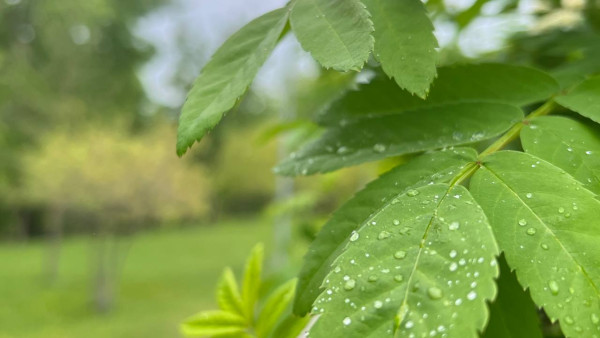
x,y
434,292
383,235
412,192
522,222
350,284
454,226
531,231
544,246
452,253
472,295
529,195
553,285
347,321
561,210
373,278
398,278
396,222
409,324
354,236
379,148
453,266
569,320
399,254
458,301
378,304
595,318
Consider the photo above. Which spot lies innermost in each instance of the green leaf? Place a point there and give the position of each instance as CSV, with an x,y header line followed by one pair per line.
x,y
513,314
584,99
489,82
336,32
252,281
404,43
379,137
213,323
568,144
424,263
228,294
276,304
437,167
227,76
547,224
291,327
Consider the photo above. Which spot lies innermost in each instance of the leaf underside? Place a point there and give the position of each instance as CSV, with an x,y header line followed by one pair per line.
x,y
404,43
379,137
547,224
336,32
437,167
227,76
424,264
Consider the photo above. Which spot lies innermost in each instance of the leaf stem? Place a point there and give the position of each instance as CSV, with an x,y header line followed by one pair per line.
x,y
503,141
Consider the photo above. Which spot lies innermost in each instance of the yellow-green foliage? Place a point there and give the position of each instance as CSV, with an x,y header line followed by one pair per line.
x,y
106,168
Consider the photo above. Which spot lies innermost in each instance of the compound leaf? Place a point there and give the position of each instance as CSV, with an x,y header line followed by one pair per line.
x,y
228,294
276,304
437,167
568,144
252,281
584,99
422,265
513,314
227,76
379,137
404,43
547,224
336,32
214,323
488,82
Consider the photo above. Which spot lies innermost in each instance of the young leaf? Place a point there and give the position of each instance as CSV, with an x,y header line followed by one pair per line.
x,y
489,82
291,327
379,137
568,144
513,314
227,76
584,98
424,263
404,43
228,294
277,302
547,224
336,32
213,323
437,167
252,281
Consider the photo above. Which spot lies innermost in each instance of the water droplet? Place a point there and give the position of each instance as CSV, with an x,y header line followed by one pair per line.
x,y
409,324
350,284
398,278
561,210
595,318
400,254
553,285
434,292
544,246
347,321
396,222
354,236
373,278
453,254
343,150
472,295
589,152
379,148
569,320
378,304
412,192
522,222
383,235
453,266
458,301
454,226
531,231
529,195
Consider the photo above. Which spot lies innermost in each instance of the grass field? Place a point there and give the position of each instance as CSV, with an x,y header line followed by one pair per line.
x,y
166,276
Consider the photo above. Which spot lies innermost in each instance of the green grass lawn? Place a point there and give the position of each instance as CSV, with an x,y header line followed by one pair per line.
x,y
166,276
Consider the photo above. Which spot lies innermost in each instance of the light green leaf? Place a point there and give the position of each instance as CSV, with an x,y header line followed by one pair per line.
x,y
336,32
437,167
584,99
276,304
227,76
379,137
489,82
424,263
568,144
291,327
252,281
404,43
213,323
547,224
513,314
228,294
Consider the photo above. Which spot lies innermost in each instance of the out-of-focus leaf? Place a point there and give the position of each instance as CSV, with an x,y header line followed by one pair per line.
x,y
213,323
228,294
252,281
404,43
547,224
227,76
276,304
336,32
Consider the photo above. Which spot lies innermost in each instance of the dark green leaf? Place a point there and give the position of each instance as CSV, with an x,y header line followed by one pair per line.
x,y
379,137
422,265
336,32
584,99
568,144
547,224
437,167
227,76
404,43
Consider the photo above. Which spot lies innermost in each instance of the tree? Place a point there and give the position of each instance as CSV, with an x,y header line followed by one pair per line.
x,y
507,161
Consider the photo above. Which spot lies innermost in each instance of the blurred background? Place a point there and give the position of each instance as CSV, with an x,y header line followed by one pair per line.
x,y
104,231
